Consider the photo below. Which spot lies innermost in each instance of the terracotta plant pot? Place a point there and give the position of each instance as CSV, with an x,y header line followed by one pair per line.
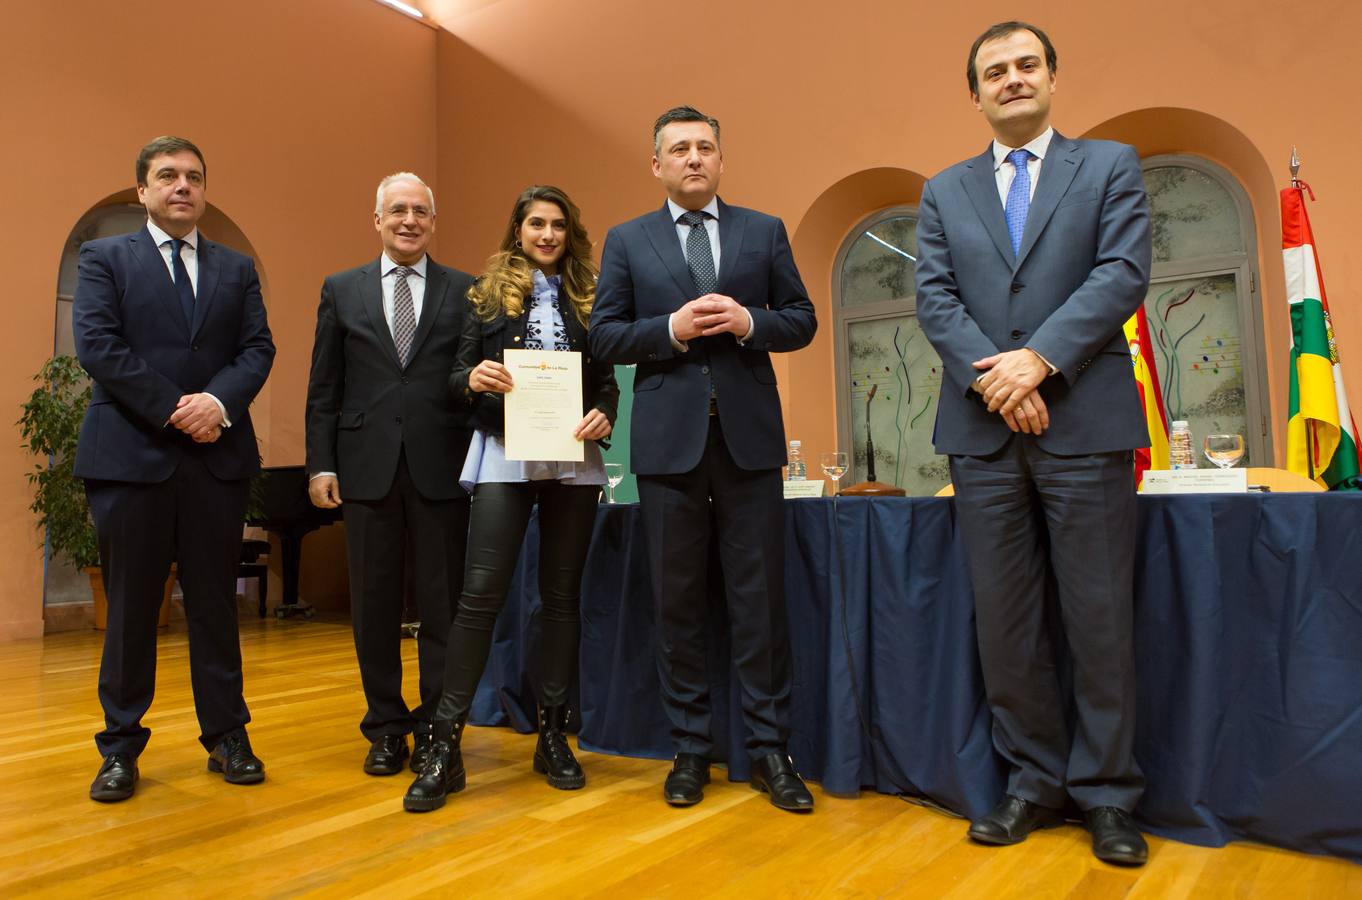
x,y
102,600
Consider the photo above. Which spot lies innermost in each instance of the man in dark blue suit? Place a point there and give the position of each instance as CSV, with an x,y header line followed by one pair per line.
x,y
1031,256
698,294
171,328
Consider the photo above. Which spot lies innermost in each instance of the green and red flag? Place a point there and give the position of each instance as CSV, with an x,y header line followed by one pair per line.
x,y
1321,436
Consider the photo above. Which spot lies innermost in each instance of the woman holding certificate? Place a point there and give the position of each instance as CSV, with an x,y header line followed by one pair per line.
x,y
536,296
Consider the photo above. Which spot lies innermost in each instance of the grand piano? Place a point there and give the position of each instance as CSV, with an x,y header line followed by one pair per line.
x,y
280,505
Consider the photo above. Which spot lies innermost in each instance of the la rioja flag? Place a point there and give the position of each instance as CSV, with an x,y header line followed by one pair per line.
x,y
1321,436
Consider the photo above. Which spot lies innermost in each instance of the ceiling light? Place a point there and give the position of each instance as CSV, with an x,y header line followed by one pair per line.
x,y
404,7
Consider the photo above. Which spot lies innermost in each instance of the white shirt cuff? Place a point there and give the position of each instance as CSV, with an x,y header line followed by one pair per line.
x,y
226,422
681,346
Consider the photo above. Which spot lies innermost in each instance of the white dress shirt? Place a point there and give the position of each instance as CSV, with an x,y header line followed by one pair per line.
x,y
682,234
1003,171
189,254
416,280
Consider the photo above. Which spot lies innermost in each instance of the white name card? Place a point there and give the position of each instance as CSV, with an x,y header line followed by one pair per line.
x,y
810,488
1195,481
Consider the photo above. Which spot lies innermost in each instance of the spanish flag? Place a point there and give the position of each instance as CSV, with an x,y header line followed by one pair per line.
x,y
1155,456
1321,436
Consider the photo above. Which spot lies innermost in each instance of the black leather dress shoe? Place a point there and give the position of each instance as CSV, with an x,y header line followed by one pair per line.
x,y
116,778
775,774
420,749
387,755
234,759
1115,839
1012,820
685,784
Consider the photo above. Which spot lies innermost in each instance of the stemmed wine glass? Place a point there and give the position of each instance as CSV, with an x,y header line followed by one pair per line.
x,y
614,474
1224,450
834,466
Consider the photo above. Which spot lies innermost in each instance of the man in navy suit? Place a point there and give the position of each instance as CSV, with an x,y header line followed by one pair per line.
x,y
698,294
1031,256
171,328
386,437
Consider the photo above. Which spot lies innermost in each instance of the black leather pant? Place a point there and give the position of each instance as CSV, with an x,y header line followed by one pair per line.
x,y
499,517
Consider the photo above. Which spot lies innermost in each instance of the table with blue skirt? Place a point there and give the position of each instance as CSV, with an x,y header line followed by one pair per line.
x,y
1248,647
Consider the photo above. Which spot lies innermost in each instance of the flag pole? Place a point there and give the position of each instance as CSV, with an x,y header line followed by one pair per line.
x,y
1309,425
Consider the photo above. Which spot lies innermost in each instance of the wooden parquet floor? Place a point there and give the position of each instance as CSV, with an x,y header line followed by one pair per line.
x,y
319,826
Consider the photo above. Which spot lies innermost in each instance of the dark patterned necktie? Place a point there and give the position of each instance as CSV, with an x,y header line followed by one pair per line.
x,y
184,288
699,254
404,314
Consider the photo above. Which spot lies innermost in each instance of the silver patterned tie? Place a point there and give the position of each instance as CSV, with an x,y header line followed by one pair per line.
x,y
699,254
404,314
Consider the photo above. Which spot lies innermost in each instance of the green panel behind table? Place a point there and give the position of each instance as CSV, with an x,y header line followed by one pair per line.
x,y
627,490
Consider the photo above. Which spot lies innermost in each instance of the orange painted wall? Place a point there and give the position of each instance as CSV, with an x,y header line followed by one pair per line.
x,y
831,111
300,108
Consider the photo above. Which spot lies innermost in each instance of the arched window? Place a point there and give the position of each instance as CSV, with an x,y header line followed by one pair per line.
x,y
1204,309
879,343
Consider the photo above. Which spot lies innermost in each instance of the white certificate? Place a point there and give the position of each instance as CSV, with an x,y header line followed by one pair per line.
x,y
544,406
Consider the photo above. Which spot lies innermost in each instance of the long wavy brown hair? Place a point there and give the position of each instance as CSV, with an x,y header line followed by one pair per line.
x,y
508,279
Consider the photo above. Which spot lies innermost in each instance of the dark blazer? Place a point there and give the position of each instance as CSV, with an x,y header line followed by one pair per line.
x,y
487,340
364,408
132,337
1081,272
644,279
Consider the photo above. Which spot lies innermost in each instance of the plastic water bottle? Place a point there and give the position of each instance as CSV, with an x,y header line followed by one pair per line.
x,y
1180,452
795,469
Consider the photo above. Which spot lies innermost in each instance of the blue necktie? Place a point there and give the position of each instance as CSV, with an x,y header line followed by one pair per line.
x,y
183,286
1018,198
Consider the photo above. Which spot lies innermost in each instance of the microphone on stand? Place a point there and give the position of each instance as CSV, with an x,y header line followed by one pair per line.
x,y
869,438
870,487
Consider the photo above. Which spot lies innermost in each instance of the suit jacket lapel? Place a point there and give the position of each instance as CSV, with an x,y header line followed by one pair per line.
x,y
153,265
732,228
437,286
371,294
981,184
1056,174
661,231
210,272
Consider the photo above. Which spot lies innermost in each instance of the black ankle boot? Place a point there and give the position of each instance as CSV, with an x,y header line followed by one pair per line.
x,y
552,755
443,773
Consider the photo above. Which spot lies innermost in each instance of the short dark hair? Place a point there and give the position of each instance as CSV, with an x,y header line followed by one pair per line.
x,y
166,143
1002,30
681,114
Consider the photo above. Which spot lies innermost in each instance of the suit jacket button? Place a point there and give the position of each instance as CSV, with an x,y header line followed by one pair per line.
x,y
1016,335
194,347
1016,288
704,370
399,420
406,380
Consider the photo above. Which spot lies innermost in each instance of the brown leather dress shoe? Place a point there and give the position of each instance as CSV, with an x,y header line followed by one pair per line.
x,y
775,774
116,779
686,781
1012,820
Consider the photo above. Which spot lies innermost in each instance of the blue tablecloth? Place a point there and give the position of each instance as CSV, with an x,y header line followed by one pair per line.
x,y
1248,645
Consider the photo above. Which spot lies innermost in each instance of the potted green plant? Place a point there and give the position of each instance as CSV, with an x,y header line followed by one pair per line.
x,y
50,427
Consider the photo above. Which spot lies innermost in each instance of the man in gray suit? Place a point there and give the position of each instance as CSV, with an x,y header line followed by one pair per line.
x,y
1031,256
